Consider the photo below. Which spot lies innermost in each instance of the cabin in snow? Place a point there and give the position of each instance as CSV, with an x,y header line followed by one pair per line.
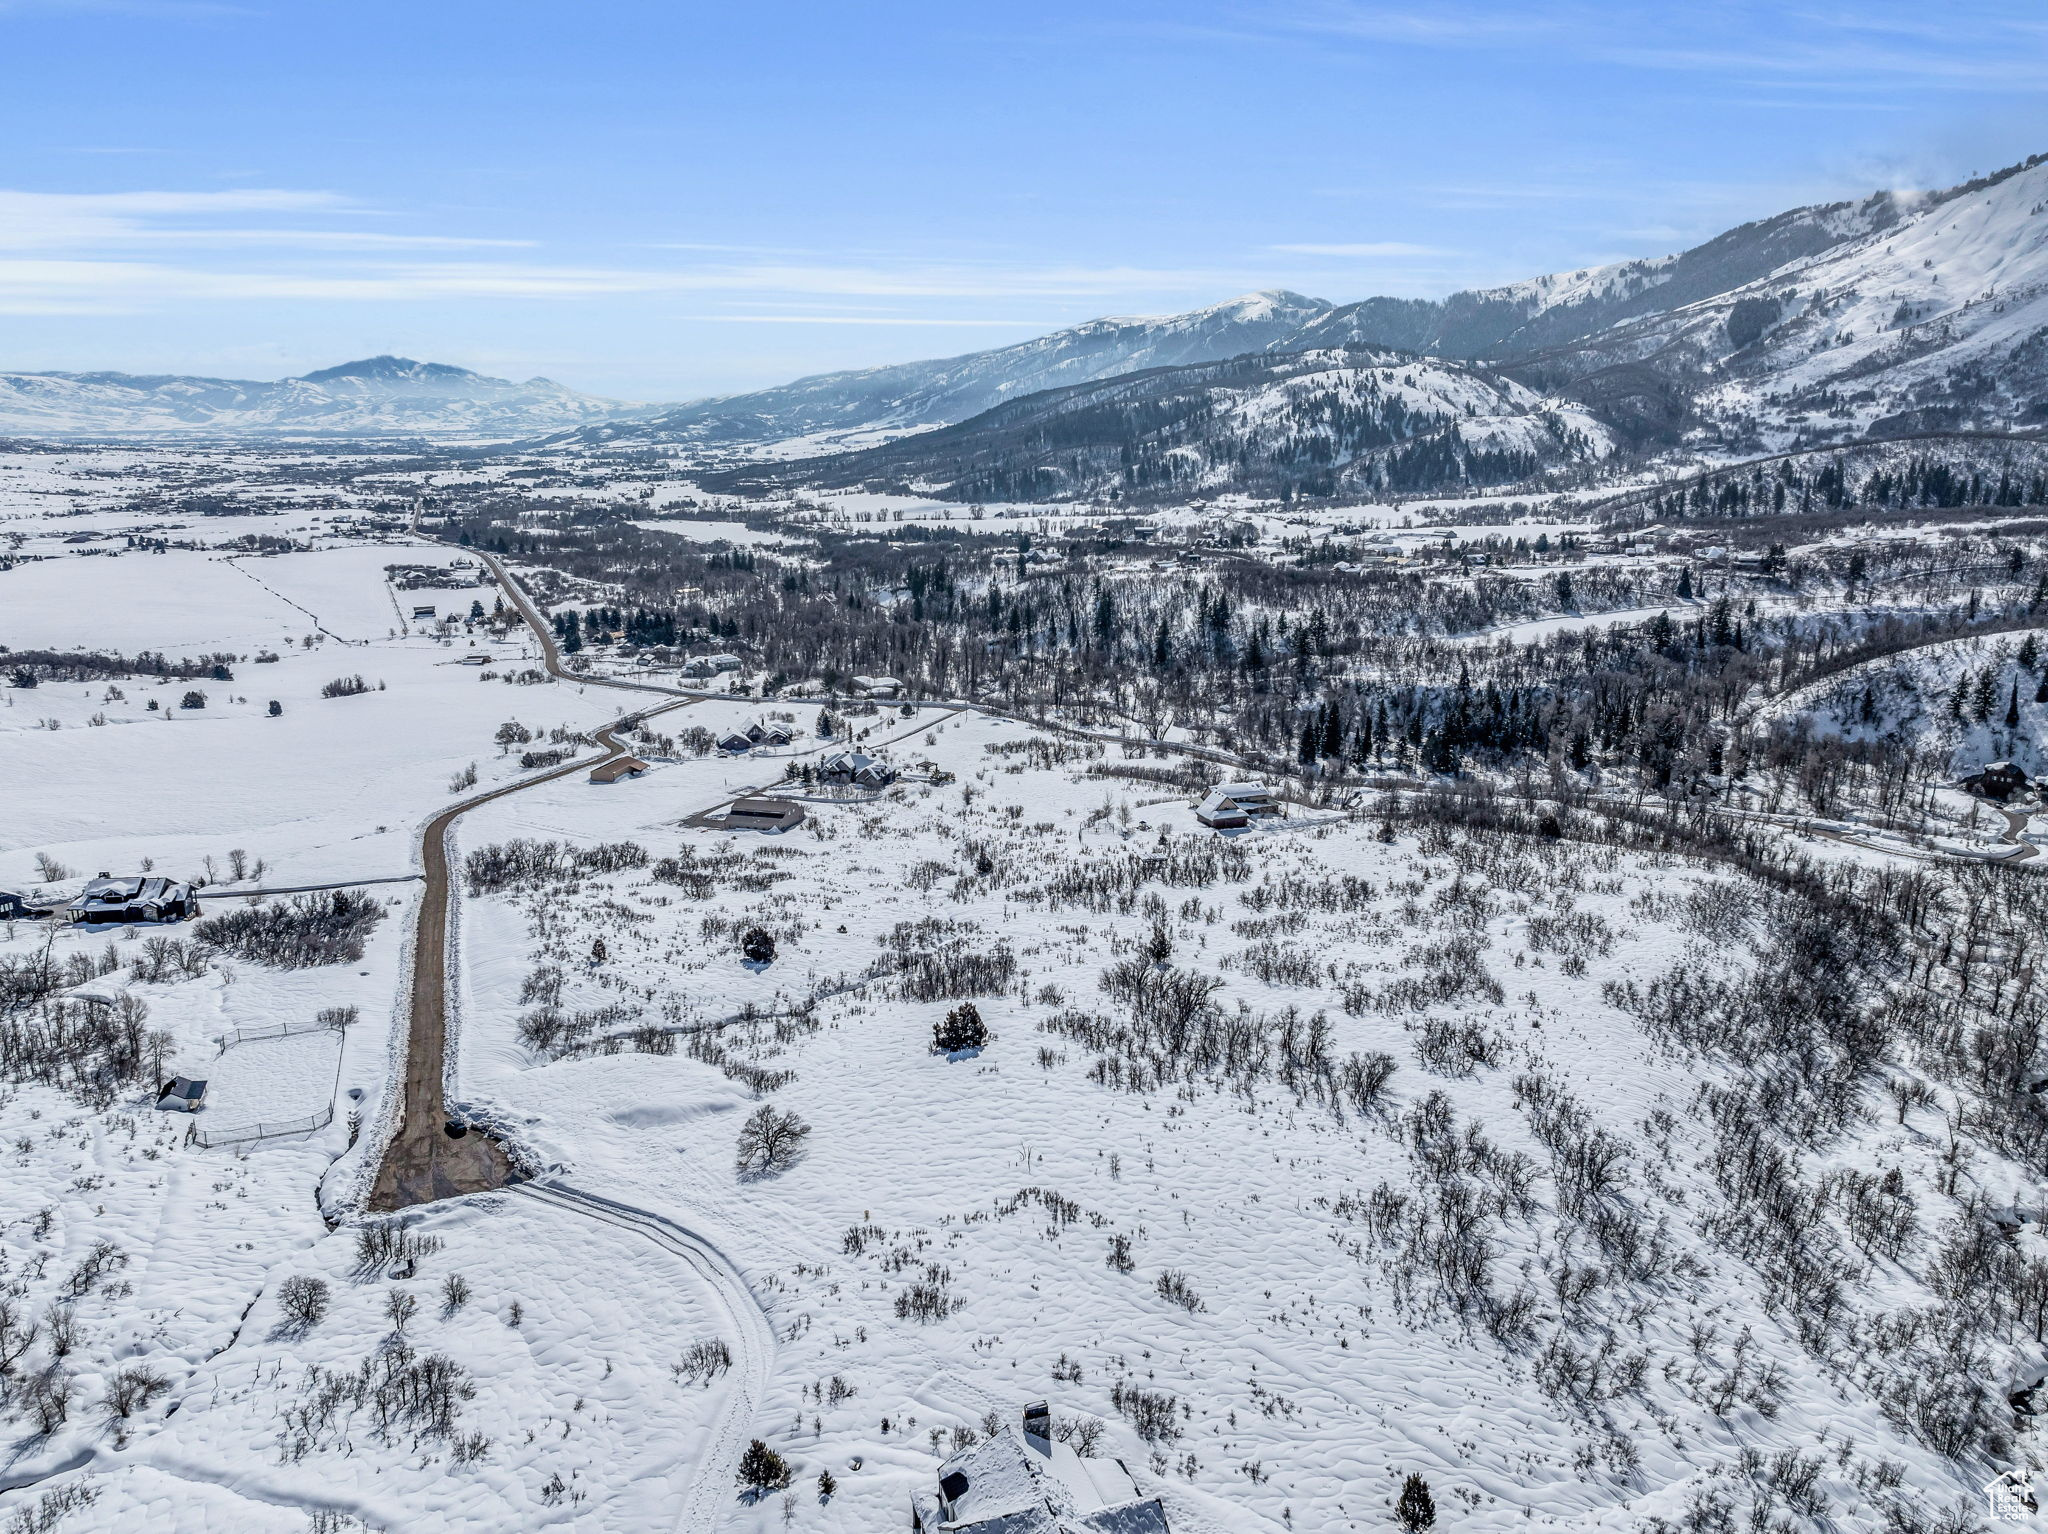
x,y
877,686
1231,806
855,769
1032,1483
181,1094
762,732
424,611
14,907
618,767
711,665
107,901
736,740
1996,780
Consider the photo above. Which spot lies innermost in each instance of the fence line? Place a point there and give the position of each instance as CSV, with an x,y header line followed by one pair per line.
x,y
228,1041
203,1136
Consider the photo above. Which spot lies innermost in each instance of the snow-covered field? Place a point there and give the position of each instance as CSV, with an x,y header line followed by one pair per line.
x,y
1273,1173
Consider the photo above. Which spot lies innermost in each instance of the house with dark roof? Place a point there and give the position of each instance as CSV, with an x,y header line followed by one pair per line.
x,y
181,1094
15,907
763,814
855,769
615,769
1231,806
1996,780
107,901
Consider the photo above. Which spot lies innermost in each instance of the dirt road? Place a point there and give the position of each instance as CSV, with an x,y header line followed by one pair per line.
x,y
426,1157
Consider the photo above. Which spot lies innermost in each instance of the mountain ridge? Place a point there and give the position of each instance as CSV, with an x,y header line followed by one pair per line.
x,y
367,396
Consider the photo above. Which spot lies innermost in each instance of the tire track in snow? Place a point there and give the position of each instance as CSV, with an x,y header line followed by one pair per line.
x,y
712,1488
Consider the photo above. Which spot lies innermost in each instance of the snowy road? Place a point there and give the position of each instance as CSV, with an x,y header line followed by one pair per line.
x,y
713,1484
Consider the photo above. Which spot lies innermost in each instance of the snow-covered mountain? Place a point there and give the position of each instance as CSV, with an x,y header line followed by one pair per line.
x,y
375,395
949,389
1934,321
1317,422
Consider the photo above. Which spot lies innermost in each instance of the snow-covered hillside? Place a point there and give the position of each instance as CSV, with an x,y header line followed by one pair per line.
x,y
373,396
1325,422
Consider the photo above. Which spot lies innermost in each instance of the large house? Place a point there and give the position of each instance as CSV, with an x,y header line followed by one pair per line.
x,y
107,901
1230,806
855,769
618,767
711,665
763,732
1996,780
877,686
1031,1483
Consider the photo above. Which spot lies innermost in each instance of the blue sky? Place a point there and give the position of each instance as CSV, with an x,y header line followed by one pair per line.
x,y
664,200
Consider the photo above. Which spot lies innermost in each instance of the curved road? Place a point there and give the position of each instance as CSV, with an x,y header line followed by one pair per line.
x,y
713,1480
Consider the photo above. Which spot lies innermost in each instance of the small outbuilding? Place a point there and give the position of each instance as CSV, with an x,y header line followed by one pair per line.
x,y
764,814
737,740
423,611
181,1094
107,901
618,767
1996,780
1232,806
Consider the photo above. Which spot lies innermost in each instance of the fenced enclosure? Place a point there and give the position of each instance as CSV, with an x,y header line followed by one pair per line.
x,y
228,1041
201,1135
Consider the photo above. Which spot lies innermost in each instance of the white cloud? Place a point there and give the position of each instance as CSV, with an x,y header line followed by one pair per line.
x,y
81,221
1370,248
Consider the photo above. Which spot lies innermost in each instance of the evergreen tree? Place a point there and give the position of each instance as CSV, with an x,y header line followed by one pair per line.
x,y
1685,584
2012,708
1416,1508
763,1470
826,1486
961,1028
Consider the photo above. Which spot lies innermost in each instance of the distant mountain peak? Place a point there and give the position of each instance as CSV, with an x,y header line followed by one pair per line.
x,y
389,369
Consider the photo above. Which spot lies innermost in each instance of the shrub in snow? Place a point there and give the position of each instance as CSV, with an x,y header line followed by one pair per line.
x,y
758,946
303,1301
132,1389
193,699
770,1140
961,1028
1155,1414
382,1244
345,687
702,1362
1173,1285
300,933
